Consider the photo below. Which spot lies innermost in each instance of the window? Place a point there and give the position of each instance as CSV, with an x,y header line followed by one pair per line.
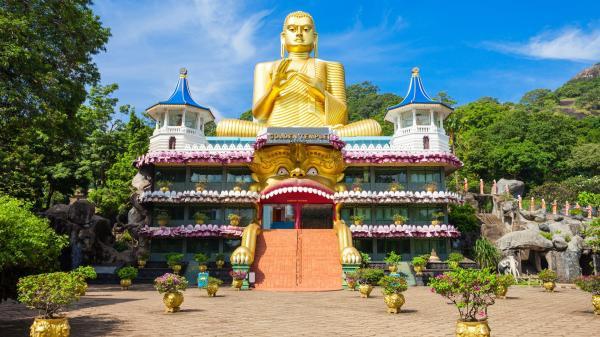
x,y
191,118
278,216
172,143
365,212
206,175
175,118
426,143
363,245
208,246
170,175
246,214
424,246
422,176
423,215
399,246
385,215
436,119
423,117
166,246
239,175
390,176
407,119
356,174
214,215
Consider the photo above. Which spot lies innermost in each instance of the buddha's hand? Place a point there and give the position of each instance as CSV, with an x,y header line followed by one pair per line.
x,y
315,87
279,78
351,256
241,255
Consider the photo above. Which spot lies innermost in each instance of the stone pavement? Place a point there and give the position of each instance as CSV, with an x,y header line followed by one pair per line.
x,y
109,311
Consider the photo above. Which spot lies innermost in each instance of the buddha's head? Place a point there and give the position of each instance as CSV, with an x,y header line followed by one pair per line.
x,y
299,34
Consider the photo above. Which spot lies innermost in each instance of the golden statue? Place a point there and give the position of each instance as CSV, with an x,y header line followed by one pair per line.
x,y
299,90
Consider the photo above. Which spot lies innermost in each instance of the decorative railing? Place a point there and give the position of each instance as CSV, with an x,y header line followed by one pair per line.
x,y
192,231
404,231
199,197
175,129
388,197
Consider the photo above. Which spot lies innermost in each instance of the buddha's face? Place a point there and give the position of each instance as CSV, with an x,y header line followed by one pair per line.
x,y
298,34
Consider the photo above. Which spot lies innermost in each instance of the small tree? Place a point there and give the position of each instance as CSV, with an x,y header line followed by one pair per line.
x,y
50,293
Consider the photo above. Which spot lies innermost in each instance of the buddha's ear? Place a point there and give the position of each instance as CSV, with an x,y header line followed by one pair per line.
x,y
282,42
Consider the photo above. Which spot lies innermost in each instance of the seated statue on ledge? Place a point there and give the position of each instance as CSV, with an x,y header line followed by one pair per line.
x,y
299,90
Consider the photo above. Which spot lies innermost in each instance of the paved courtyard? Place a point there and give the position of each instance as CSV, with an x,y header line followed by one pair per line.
x,y
108,311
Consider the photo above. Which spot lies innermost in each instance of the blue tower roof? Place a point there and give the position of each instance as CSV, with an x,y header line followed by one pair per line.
x,y
181,95
416,93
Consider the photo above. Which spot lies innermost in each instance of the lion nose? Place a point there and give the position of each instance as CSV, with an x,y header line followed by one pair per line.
x,y
297,172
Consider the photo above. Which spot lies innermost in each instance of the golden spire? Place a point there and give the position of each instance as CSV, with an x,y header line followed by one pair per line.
x,y
182,73
415,71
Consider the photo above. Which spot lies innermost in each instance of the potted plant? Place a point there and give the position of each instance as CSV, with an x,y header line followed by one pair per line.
x,y
436,218
392,259
365,259
164,185
358,219
591,284
171,285
454,260
126,274
201,259
399,219
234,219
174,261
419,263
220,260
50,294
213,286
504,281
367,278
199,218
394,187
431,187
200,186
142,259
237,187
548,278
393,287
472,292
84,273
357,185
351,280
162,217
238,278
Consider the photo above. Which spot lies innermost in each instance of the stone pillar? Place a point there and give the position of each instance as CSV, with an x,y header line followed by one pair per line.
x,y
480,186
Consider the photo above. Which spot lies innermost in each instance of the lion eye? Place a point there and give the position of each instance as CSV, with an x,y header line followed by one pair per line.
x,y
312,172
283,172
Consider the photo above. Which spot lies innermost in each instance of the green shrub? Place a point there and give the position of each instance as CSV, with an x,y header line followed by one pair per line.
x,y
369,275
455,257
120,246
588,198
576,211
214,280
419,261
220,257
85,272
506,280
49,293
592,235
392,258
200,258
546,235
127,273
568,238
393,284
365,259
547,275
590,284
486,254
464,218
174,258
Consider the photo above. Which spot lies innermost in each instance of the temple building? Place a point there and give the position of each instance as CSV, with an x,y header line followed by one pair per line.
x,y
294,200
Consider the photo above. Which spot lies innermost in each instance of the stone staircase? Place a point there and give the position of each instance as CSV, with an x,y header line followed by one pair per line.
x,y
492,227
297,260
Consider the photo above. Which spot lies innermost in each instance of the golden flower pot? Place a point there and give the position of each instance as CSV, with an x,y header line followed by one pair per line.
x,y
237,284
358,222
472,329
211,289
365,290
141,264
125,283
163,222
173,301
199,222
394,302
234,222
596,304
393,268
237,188
164,189
501,291
398,222
50,327
351,285
220,264
199,188
549,286
202,268
176,268
419,270
436,222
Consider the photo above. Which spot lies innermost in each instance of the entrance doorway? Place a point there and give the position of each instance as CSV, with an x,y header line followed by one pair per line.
x,y
297,215
318,216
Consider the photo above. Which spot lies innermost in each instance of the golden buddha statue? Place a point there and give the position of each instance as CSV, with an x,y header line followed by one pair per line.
x,y
299,90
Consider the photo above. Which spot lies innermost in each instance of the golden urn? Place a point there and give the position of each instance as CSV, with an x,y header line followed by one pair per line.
x,y
596,304
501,291
141,264
394,302
351,285
472,329
125,283
211,289
50,327
393,268
549,286
163,222
234,222
172,301
176,268
220,263
202,268
237,284
419,270
365,290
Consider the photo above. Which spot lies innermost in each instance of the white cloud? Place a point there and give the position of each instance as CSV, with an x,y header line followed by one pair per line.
x,y
568,44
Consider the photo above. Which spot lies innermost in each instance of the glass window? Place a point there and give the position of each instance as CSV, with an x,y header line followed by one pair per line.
x,y
191,119
170,175
423,215
229,245
239,175
208,246
407,119
386,214
175,118
364,245
360,174
206,175
436,119
423,117
214,215
365,212
166,245
247,214
399,246
390,176
278,216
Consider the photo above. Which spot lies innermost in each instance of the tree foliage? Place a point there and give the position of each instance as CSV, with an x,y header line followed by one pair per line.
x,y
364,102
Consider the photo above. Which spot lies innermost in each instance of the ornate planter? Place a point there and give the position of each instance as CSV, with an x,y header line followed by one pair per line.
x,y
164,189
398,223
234,222
163,222
436,222
237,188
199,222
211,289
202,268
358,222
141,264
501,291
199,188
393,268
220,264
172,301
472,329
365,290
50,327
125,283
549,286
237,284
176,268
419,270
596,304
351,285
394,302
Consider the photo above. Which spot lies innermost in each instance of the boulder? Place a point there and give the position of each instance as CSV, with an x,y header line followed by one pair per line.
x,y
559,243
565,263
525,239
544,227
516,187
81,212
537,215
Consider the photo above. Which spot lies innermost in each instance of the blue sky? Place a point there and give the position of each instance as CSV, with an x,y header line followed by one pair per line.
x,y
468,48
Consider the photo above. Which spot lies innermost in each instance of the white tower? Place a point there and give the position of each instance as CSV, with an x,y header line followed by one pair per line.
x,y
419,120
179,120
